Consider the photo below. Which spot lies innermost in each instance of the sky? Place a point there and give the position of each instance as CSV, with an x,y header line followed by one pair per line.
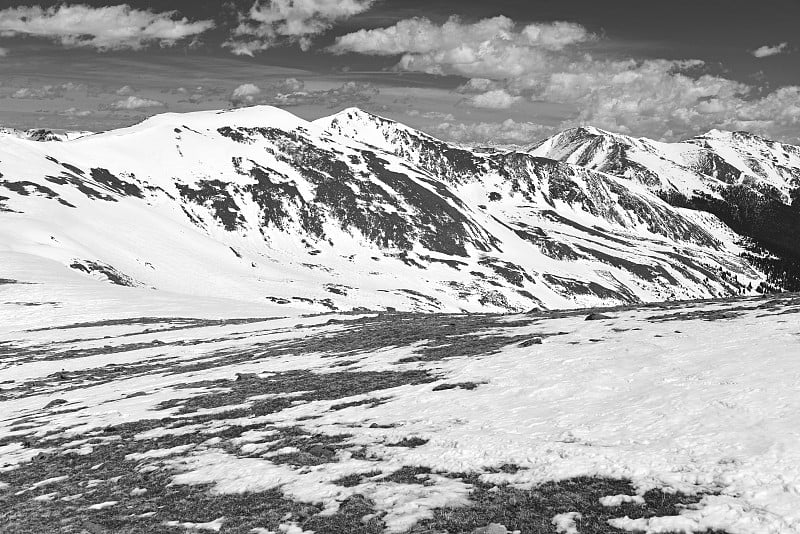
x,y
504,72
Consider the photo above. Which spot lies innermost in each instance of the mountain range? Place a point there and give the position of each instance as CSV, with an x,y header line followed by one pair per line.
x,y
356,211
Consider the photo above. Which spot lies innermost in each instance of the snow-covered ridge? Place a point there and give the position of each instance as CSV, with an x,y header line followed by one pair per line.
x,y
355,211
42,134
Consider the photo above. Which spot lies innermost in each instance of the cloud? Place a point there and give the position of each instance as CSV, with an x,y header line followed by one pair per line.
x,y
3,52
291,92
270,23
766,50
103,28
48,91
496,99
135,102
506,133
348,94
478,85
248,94
125,90
75,112
506,62
245,94
435,115
491,48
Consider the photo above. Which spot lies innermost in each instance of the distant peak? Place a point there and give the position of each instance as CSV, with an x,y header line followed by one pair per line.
x,y
354,114
715,133
739,135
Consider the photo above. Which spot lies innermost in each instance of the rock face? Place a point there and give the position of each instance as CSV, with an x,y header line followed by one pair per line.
x,y
356,211
750,183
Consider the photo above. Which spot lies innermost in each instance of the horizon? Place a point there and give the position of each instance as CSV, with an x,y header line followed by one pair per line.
x,y
512,147
464,72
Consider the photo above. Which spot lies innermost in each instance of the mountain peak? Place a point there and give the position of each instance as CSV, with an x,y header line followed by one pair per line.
x,y
358,113
245,117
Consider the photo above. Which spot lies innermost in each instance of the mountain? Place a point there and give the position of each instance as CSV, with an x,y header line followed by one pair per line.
x,y
751,183
42,134
356,211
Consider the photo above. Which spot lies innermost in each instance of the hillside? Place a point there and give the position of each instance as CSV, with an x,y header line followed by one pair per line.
x,y
355,211
751,183
184,415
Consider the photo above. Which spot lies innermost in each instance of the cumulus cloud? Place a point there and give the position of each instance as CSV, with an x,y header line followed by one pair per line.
x,y
270,23
245,94
491,48
553,62
505,133
103,28
291,92
766,50
125,90
75,112
248,94
134,103
435,115
478,85
348,94
496,99
46,92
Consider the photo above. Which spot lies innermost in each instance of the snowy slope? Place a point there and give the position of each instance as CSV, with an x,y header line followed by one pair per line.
x,y
41,134
351,211
750,183
670,418
708,163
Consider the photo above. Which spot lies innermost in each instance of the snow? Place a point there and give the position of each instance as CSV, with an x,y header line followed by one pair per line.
x,y
158,453
176,256
691,404
567,523
103,505
214,525
619,500
704,404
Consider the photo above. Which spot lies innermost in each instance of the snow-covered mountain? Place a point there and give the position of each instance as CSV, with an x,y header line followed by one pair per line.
x,y
353,210
42,134
752,184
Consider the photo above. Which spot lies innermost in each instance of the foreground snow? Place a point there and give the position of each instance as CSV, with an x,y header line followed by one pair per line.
x,y
127,423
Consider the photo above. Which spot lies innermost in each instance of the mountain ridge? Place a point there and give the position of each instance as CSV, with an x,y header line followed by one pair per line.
x,y
354,211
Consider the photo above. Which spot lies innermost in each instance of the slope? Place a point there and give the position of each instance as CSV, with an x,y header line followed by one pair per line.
x,y
750,183
348,212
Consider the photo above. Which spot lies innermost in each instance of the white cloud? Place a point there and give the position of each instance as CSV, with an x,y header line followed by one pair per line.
x,y
245,94
135,102
104,28
506,133
125,90
290,93
556,36
491,48
553,63
478,85
496,99
434,115
273,22
48,91
75,112
766,50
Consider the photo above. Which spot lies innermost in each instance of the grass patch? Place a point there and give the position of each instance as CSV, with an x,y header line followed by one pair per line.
x,y
460,385
410,443
531,511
